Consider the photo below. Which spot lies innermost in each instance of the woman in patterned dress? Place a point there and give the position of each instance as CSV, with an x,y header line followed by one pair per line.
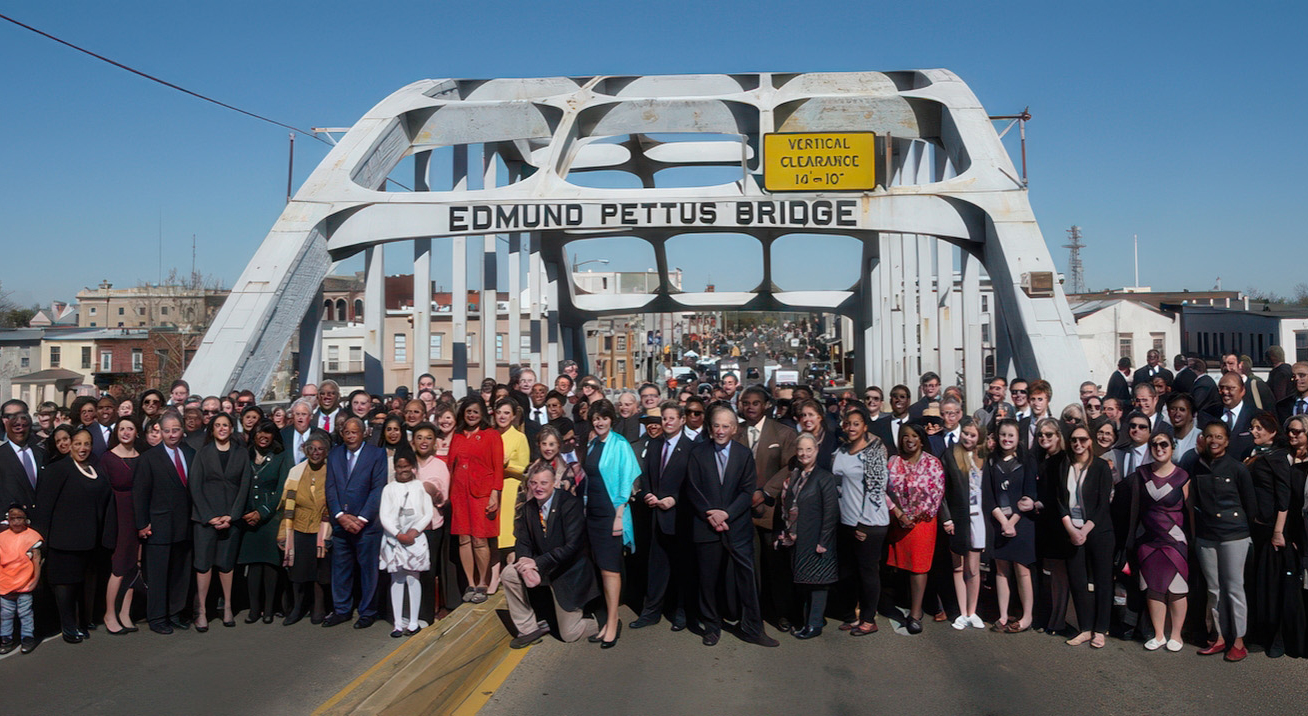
x,y
1158,521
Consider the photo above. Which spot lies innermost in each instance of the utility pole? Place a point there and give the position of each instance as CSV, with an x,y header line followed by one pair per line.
x,y
1136,239
290,169
1074,266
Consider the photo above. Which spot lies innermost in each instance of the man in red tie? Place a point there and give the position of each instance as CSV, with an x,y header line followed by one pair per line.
x,y
163,521
329,409
670,554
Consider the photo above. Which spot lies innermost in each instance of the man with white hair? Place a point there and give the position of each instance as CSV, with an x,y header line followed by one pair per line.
x,y
297,432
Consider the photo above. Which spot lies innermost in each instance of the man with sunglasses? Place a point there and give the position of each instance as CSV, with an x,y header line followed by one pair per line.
x,y
22,458
695,419
1021,405
1133,450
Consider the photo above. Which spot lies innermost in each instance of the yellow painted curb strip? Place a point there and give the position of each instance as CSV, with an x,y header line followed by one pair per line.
x,y
493,681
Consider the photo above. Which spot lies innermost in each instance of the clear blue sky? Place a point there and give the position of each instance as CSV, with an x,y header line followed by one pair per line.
x,y
1180,122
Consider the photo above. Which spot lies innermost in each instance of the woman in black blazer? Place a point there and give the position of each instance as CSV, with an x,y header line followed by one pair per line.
x,y
808,513
72,501
219,484
1083,488
1290,536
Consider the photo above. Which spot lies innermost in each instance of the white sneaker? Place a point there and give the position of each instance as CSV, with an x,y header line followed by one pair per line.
x,y
1174,645
975,622
1155,644
960,623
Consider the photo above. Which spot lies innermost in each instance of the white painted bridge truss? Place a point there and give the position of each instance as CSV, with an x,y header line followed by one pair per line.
x,y
953,199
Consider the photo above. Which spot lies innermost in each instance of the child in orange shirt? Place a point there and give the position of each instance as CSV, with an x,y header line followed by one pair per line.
x,y
20,565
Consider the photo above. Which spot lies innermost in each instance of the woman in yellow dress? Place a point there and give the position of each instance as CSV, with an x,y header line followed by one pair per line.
x,y
517,453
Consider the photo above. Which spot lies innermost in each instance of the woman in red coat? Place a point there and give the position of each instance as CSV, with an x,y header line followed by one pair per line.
x,y
476,460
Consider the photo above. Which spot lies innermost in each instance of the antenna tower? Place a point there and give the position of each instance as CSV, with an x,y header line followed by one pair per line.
x,y
1074,266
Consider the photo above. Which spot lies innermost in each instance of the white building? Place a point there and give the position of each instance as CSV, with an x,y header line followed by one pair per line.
x,y
1112,328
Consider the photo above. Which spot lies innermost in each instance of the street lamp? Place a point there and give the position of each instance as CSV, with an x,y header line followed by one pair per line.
x,y
576,264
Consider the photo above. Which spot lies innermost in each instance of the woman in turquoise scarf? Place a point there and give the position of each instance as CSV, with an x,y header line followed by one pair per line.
x,y
611,472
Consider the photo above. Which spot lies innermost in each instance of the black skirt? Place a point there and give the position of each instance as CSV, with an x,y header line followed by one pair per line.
x,y
308,567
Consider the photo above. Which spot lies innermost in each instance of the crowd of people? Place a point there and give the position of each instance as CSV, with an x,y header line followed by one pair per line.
x,y
1167,507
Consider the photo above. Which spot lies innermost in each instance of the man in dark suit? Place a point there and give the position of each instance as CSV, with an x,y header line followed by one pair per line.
x,y
670,556
1204,388
299,428
1280,378
773,447
535,412
550,534
1153,366
1256,390
1146,401
930,390
329,408
356,474
102,426
22,459
1237,413
1118,385
163,520
1296,402
720,484
1184,379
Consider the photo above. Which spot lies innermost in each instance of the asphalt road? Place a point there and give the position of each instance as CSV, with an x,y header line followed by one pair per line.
x,y
941,671
248,669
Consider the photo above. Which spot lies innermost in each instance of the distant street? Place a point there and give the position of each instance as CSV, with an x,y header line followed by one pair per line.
x,y
941,671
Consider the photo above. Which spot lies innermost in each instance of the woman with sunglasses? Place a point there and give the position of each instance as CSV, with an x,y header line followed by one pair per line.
x,y
152,402
1224,503
1052,544
1094,413
1159,492
1290,536
1269,469
1084,489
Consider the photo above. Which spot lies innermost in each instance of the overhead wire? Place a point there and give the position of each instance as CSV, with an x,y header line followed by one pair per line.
x,y
163,82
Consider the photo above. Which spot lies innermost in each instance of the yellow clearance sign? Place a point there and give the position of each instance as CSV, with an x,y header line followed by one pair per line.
x,y
819,161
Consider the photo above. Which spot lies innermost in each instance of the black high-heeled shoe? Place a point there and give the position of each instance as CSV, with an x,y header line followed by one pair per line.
x,y
611,644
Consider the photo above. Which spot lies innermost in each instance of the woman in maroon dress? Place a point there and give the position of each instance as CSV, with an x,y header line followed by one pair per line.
x,y
118,463
1161,491
476,460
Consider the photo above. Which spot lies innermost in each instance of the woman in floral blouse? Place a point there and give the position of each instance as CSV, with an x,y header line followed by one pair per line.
x,y
917,484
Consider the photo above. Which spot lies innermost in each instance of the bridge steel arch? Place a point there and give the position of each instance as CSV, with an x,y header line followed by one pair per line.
x,y
948,201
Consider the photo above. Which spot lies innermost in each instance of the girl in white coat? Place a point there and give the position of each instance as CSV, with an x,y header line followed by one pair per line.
x,y
405,512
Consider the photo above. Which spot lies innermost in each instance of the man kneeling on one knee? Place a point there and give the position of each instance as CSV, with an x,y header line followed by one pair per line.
x,y
550,531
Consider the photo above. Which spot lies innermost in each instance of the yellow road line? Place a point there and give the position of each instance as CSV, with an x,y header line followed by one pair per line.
x,y
340,695
487,686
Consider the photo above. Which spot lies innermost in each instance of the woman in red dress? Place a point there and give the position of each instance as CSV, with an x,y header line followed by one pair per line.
x,y
476,460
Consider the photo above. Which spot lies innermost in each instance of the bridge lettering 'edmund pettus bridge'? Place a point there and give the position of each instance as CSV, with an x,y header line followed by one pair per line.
x,y
906,163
